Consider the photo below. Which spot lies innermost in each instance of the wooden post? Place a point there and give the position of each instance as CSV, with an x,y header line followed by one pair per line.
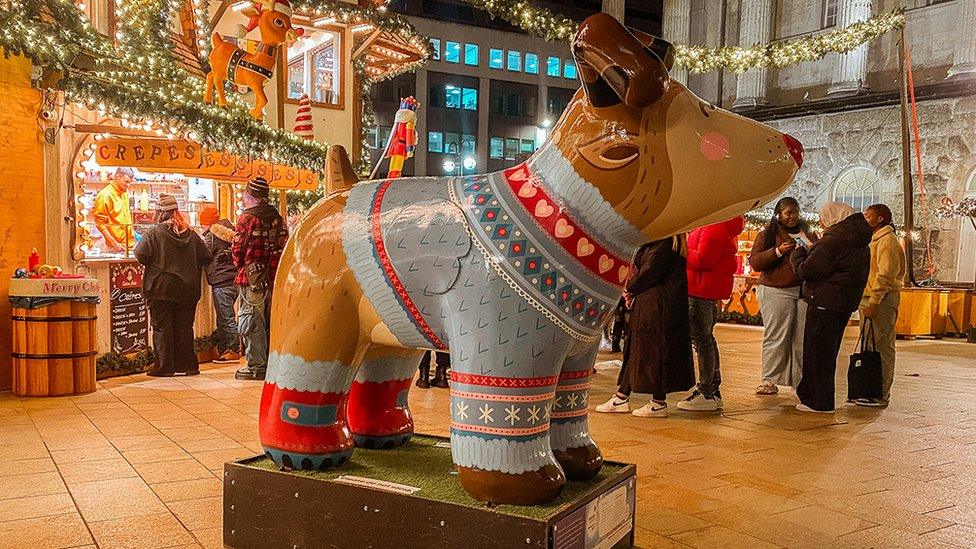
x,y
907,187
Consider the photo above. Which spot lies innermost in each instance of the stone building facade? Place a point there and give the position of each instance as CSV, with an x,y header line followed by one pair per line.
x,y
845,108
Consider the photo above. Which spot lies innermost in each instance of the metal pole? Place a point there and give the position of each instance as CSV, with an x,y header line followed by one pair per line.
x,y
907,186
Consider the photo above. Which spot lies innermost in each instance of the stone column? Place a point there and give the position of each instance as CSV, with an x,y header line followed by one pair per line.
x,y
421,94
964,54
755,25
677,30
615,8
851,71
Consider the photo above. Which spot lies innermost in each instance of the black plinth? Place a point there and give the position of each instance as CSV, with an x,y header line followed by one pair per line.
x,y
411,497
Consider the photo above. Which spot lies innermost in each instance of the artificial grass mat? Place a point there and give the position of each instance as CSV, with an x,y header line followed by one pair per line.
x,y
421,464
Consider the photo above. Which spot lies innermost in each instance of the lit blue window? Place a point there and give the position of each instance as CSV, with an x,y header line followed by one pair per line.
x,y
452,97
496,58
497,148
435,44
452,52
469,99
514,61
531,63
552,67
569,70
435,142
471,54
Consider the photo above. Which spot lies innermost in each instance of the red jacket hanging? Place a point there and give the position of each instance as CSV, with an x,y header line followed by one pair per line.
x,y
711,259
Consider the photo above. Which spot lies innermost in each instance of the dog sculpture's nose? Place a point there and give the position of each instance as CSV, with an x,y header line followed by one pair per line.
x,y
795,148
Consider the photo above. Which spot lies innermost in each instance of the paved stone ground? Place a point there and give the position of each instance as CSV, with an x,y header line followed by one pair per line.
x,y
136,464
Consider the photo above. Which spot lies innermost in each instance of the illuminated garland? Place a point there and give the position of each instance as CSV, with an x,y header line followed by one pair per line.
x,y
951,210
137,83
699,59
138,80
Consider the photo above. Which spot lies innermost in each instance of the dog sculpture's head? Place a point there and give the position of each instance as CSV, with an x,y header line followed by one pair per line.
x,y
663,158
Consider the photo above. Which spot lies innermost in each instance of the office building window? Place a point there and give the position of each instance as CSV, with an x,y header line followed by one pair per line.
x,y
471,54
528,105
467,145
496,148
496,102
531,63
452,52
511,148
528,146
514,61
496,58
451,142
383,136
556,105
569,70
512,104
371,135
452,97
469,99
552,67
435,142
435,44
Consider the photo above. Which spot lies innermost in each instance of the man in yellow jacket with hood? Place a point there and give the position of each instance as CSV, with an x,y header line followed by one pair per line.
x,y
881,295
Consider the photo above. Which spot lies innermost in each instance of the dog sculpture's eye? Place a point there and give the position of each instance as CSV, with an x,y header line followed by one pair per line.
x,y
704,110
279,23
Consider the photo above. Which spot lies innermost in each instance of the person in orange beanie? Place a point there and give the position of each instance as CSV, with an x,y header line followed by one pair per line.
x,y
220,276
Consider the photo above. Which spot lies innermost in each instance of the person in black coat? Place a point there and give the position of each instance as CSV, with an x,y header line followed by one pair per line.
x,y
173,256
833,271
657,351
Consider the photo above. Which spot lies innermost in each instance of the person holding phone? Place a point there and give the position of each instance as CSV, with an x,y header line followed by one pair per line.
x,y
782,310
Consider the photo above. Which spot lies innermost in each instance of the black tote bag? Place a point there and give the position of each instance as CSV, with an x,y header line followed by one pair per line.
x,y
864,372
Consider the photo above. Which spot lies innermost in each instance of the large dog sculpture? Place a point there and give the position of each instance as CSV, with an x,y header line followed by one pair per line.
x,y
515,272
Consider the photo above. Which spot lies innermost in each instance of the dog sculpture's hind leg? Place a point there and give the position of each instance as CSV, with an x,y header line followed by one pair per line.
x,y
315,346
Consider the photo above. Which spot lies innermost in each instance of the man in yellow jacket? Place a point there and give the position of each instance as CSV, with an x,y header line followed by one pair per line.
x,y
881,295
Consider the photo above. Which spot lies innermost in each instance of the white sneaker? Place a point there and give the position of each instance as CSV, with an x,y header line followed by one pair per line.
x,y
801,407
614,406
652,409
767,388
697,402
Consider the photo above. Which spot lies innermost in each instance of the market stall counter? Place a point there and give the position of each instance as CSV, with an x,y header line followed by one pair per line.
x,y
54,335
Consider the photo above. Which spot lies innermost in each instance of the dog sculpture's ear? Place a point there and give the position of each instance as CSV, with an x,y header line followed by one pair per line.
x,y
615,65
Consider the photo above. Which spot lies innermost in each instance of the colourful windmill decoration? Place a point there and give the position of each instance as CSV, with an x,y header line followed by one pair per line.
x,y
303,118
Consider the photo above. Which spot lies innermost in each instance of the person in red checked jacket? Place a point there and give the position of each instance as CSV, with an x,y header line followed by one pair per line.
x,y
711,268
259,239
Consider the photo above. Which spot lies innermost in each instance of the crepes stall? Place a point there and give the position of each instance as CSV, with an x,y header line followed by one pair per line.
x,y
116,179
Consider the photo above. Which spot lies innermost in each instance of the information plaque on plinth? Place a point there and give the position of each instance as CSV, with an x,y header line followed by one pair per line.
x,y
411,497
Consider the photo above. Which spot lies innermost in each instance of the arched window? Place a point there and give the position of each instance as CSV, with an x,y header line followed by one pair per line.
x,y
858,186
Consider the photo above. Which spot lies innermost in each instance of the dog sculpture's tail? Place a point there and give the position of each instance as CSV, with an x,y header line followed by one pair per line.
x,y
339,173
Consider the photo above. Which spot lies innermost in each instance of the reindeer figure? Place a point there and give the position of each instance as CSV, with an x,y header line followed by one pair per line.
x,y
227,61
514,272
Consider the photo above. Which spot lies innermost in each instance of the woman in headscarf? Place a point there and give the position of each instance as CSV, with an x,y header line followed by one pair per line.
x,y
834,272
782,310
174,257
657,350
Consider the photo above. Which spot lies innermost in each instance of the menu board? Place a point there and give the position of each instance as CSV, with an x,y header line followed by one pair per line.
x,y
130,316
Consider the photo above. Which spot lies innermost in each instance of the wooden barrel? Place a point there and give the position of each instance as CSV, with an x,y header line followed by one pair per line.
x,y
54,349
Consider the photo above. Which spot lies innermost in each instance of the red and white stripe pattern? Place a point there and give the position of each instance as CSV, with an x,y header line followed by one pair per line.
x,y
303,119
